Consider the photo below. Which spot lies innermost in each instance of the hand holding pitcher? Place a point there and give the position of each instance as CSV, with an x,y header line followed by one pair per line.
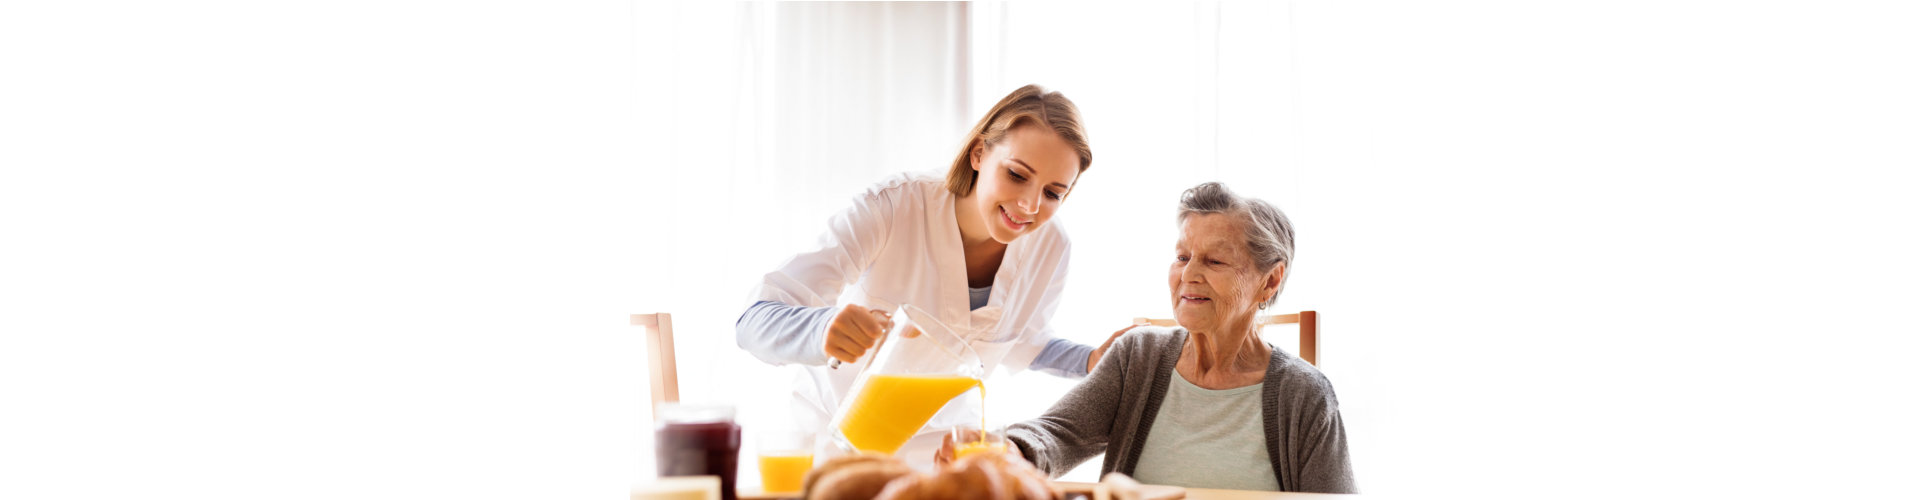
x,y
856,329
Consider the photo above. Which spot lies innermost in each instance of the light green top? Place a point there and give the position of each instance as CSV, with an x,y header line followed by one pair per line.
x,y
1204,438
1115,410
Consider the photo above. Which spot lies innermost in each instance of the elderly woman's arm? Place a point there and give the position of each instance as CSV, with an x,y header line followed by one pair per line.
x,y
1326,468
1078,426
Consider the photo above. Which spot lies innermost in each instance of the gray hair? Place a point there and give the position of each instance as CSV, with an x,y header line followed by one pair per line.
x,y
1269,234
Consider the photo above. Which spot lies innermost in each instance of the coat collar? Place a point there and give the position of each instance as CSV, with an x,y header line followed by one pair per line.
x,y
950,262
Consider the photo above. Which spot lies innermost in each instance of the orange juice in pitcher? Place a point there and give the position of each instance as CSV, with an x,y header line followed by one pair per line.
x,y
891,408
911,378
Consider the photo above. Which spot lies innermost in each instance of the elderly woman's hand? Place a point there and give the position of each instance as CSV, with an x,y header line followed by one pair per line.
x,y
1094,358
949,448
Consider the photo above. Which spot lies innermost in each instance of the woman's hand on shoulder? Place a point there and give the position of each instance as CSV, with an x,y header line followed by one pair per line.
x,y
1093,359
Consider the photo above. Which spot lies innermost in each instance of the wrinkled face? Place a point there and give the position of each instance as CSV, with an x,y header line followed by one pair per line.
x,y
1215,283
1022,180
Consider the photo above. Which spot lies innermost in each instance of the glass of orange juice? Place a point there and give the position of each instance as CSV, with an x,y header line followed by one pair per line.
x,y
785,457
968,440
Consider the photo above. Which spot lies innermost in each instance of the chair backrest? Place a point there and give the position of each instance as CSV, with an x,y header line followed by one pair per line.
x,y
1309,322
660,368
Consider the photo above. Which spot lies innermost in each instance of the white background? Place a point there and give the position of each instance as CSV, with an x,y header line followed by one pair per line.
x,y
386,249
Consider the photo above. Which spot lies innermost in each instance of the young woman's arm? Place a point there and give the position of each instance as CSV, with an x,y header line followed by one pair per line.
x,y
794,307
780,333
1063,358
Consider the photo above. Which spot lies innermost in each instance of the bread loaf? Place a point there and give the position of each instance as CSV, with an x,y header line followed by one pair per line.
x,y
982,477
858,477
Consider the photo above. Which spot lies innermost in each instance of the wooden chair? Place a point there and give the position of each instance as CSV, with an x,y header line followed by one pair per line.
x,y
660,368
1309,330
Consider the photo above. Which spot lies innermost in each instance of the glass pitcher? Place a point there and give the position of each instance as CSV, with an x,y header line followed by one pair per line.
x,y
910,380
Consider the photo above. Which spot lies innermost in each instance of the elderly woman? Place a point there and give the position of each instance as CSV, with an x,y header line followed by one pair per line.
x,y
1205,404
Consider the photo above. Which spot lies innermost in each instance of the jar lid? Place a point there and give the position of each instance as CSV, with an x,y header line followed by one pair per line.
x,y
693,413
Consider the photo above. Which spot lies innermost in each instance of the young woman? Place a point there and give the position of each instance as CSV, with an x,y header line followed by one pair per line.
x,y
973,249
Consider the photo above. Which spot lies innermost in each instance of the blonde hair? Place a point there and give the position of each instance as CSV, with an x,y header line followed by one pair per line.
x,y
1031,103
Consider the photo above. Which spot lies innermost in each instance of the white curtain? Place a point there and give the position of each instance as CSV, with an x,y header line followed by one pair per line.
x,y
1587,248
1530,230
1173,95
777,115
780,112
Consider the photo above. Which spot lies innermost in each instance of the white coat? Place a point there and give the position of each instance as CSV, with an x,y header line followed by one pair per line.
x,y
900,244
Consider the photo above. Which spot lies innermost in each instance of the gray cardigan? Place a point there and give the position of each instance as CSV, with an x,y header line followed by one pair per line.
x,y
1112,410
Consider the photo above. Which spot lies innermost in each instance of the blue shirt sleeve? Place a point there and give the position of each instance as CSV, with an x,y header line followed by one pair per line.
x,y
1063,358
778,333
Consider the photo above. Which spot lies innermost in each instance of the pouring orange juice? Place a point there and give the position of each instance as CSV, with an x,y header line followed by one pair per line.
x,y
979,447
968,441
920,367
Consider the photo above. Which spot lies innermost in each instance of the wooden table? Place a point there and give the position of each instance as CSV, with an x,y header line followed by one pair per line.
x,y
1208,494
1154,491
1191,494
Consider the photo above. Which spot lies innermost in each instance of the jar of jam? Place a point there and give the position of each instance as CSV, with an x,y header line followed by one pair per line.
x,y
698,440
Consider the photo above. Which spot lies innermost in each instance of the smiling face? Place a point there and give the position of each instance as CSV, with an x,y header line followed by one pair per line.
x,y
1021,182
1215,283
